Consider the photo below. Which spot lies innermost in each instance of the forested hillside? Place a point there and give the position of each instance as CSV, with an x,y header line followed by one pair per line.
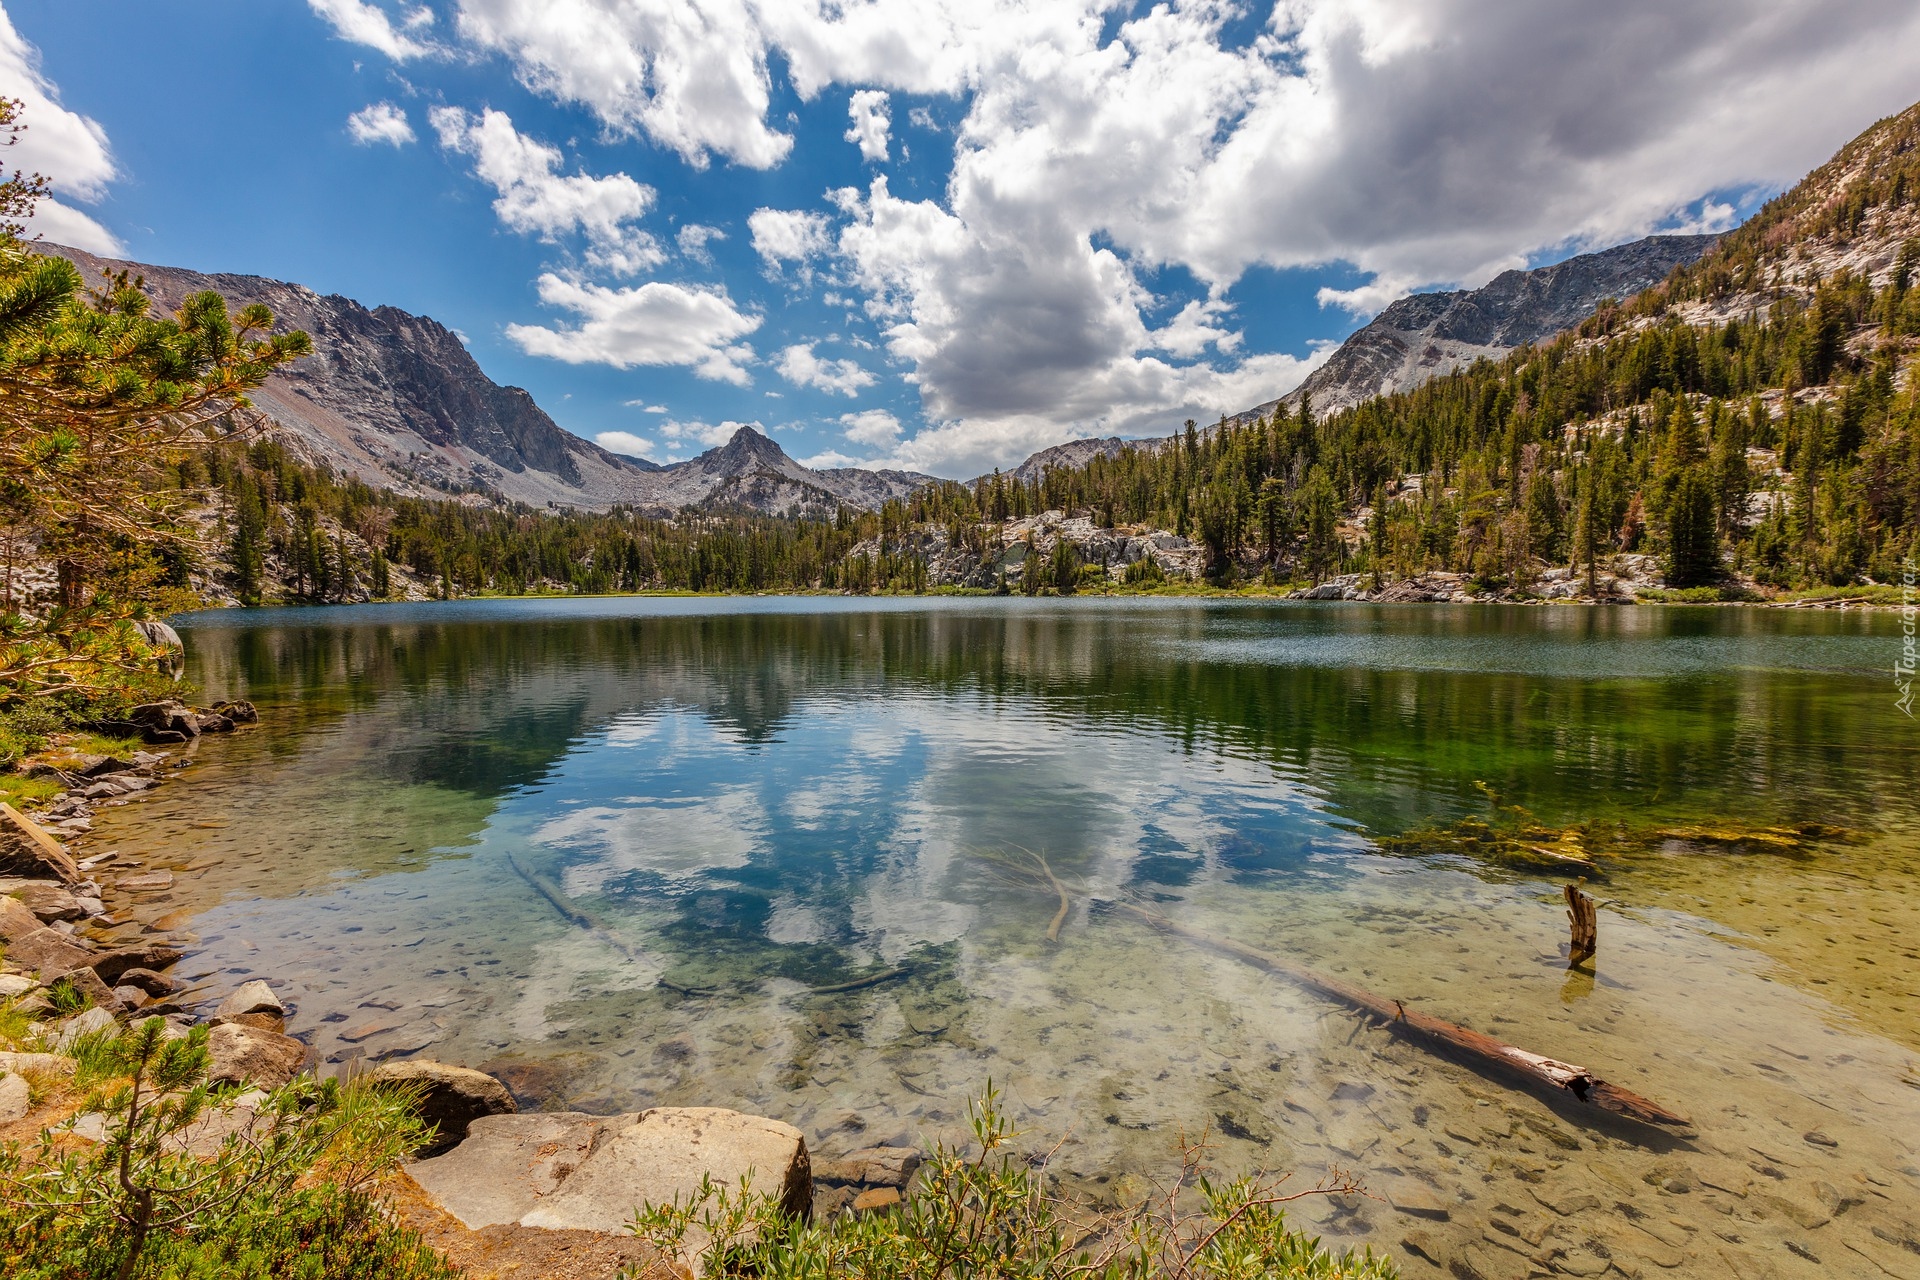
x,y
1755,414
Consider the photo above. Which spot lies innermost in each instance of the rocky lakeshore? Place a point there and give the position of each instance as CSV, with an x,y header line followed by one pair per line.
x,y
498,1190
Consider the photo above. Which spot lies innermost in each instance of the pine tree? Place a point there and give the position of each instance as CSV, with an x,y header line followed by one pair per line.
x,y
1693,549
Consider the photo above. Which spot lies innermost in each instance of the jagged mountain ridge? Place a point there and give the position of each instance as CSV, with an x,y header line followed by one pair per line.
x,y
1425,335
397,400
753,473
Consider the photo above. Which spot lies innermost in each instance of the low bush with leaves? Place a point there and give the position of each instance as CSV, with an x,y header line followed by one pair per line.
x,y
186,1187
989,1212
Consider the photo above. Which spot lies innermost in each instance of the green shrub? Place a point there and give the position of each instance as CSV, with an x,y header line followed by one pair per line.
x,y
991,1214
286,1194
25,730
1682,595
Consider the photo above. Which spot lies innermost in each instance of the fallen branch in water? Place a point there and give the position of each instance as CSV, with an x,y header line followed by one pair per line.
x,y
1032,870
1477,1050
871,980
575,914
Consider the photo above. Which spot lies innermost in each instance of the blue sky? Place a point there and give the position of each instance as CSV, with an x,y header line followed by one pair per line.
x,y
940,234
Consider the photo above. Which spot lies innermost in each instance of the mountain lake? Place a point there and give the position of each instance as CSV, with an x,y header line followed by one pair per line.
x,y
808,857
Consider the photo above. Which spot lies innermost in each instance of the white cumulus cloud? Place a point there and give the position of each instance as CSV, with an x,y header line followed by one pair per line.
x,y
871,122
534,198
874,427
694,238
704,434
1414,141
624,442
830,460
781,236
800,366
69,148
655,324
380,122
363,23
691,74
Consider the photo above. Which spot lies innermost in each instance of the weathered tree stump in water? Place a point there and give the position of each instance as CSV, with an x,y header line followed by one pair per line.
x,y
1583,917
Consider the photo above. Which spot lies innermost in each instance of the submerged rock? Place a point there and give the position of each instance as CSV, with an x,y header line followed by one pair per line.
x,y
452,1098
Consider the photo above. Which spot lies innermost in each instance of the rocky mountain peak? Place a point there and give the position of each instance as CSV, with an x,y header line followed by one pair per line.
x,y
1425,335
748,448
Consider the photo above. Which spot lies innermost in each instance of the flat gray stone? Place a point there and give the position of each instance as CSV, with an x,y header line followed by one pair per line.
x,y
665,1154
47,1064
81,1024
13,1098
509,1163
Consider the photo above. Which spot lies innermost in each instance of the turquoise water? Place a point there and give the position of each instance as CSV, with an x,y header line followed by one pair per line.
x,y
758,798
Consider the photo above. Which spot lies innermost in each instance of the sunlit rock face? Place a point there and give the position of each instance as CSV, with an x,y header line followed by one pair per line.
x,y
1427,334
396,399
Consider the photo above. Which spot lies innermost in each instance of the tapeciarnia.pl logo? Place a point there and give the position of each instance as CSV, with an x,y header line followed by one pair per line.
x,y
1903,670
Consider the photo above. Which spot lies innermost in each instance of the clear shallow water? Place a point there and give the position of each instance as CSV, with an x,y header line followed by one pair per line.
x,y
759,797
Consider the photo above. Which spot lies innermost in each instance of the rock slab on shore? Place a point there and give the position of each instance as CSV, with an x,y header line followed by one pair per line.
x,y
569,1171
664,1155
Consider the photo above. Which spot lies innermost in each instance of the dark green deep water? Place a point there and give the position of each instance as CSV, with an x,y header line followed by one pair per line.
x,y
760,796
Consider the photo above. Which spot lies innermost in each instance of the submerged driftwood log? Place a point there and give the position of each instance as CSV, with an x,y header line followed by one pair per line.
x,y
1477,1050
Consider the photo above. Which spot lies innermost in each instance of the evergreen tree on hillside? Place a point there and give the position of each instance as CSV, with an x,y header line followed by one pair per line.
x,y
1693,549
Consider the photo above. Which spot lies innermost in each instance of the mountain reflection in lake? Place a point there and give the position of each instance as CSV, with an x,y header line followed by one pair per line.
x,y
760,798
